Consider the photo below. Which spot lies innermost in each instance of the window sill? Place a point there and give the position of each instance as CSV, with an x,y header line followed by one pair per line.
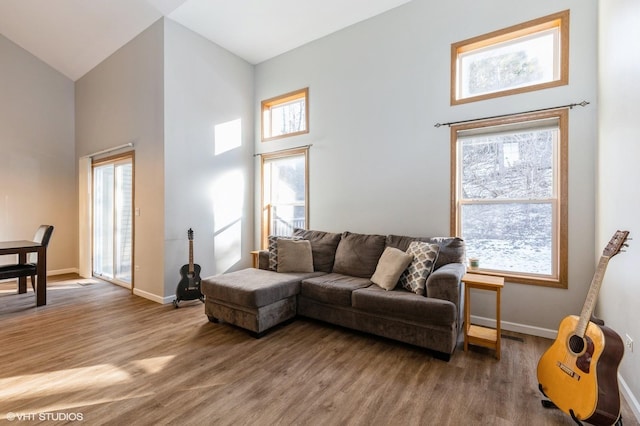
x,y
537,280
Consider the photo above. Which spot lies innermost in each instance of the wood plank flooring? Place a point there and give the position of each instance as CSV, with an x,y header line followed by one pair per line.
x,y
99,353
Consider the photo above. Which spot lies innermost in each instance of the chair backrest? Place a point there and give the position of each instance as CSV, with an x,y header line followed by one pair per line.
x,y
43,235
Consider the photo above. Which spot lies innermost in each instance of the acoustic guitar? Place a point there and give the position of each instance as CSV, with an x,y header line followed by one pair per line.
x,y
579,372
189,285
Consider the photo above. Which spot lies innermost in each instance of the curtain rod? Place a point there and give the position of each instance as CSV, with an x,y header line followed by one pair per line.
x,y
282,150
570,106
104,151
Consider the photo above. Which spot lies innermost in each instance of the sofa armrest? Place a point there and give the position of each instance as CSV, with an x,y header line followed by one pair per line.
x,y
445,283
263,260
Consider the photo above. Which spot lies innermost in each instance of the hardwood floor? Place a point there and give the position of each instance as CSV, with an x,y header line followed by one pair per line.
x,y
99,354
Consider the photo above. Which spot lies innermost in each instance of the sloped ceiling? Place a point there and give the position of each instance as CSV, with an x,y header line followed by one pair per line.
x,y
73,36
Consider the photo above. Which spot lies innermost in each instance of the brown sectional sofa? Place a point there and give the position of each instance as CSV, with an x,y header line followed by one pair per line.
x,y
339,290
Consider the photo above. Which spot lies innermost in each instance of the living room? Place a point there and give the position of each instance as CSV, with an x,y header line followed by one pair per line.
x,y
377,162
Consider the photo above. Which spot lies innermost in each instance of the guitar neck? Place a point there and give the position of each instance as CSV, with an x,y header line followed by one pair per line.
x,y
191,256
592,296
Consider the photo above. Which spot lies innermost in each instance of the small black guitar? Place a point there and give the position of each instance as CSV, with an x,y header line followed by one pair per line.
x,y
189,285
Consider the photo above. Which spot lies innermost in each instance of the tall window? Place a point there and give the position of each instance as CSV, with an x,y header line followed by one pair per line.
x,y
285,115
509,195
284,192
530,56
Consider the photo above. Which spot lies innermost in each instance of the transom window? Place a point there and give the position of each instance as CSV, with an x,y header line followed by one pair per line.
x,y
285,115
509,195
530,56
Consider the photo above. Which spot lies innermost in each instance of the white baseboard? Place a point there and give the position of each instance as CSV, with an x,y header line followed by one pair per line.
x,y
62,271
630,397
153,297
518,328
168,299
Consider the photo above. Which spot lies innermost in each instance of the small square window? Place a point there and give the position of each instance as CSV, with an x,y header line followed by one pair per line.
x,y
285,115
530,56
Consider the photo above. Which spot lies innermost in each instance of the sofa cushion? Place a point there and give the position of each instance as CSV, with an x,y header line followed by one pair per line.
x,y
404,304
323,247
414,278
452,249
334,289
252,287
391,265
273,249
357,254
294,255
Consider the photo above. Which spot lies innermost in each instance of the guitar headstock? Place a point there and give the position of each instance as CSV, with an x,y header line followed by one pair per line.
x,y
190,234
616,243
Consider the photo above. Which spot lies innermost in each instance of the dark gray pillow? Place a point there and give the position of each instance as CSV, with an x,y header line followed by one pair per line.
x,y
323,247
294,255
357,255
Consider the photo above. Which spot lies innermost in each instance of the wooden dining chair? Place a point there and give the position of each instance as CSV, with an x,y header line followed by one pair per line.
x,y
29,269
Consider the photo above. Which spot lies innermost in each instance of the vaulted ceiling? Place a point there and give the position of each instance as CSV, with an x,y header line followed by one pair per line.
x,y
73,36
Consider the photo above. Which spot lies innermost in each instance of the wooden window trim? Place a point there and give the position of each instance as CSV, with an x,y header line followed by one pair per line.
x,y
560,20
97,161
267,104
265,214
562,227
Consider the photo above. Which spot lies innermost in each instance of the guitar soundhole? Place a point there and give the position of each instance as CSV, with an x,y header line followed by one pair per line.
x,y
576,344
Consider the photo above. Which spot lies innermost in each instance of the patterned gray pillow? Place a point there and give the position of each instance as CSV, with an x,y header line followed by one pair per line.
x,y
273,249
414,278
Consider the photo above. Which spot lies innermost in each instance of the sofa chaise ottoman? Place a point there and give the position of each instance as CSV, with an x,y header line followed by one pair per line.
x,y
253,299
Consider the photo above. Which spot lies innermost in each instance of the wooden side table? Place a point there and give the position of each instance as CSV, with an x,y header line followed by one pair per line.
x,y
255,258
476,334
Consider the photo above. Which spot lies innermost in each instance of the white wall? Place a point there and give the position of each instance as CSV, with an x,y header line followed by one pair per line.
x,y
378,164
121,101
165,91
207,187
37,165
618,175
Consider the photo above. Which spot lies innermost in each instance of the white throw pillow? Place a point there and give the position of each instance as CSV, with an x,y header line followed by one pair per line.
x,y
391,265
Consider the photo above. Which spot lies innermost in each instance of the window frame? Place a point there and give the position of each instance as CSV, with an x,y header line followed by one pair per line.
x,y
558,278
268,104
558,20
265,207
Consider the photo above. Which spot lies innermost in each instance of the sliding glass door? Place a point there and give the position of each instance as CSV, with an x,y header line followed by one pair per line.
x,y
113,220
